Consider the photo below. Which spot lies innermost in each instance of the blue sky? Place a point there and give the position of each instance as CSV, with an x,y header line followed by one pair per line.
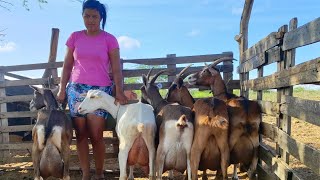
x,y
150,28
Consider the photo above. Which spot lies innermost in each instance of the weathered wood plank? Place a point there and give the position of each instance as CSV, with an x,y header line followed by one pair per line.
x,y
265,58
277,166
304,73
251,64
306,110
6,129
26,67
306,154
19,114
264,175
179,60
18,98
304,35
138,72
4,137
23,82
268,130
269,108
260,47
16,76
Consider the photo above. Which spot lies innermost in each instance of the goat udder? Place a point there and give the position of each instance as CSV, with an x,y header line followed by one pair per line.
x,y
138,153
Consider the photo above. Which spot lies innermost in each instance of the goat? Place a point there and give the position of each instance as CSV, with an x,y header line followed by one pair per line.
x,y
175,123
211,122
52,135
135,128
245,118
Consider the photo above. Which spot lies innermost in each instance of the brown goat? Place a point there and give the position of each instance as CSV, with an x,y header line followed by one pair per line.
x,y
217,133
175,129
245,117
51,135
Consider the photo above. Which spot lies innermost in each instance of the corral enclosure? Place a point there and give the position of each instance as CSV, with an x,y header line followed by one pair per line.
x,y
277,143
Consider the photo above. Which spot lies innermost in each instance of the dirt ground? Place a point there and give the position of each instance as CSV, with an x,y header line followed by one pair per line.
x,y
301,131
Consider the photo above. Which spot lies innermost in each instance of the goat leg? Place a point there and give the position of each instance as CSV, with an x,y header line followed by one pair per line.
x,y
235,172
225,153
160,161
199,143
253,165
131,177
36,156
152,153
65,153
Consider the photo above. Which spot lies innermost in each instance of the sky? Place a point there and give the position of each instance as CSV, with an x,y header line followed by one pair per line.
x,y
150,28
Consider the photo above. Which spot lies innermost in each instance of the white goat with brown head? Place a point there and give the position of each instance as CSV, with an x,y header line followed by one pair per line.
x,y
136,128
52,135
175,123
245,117
210,148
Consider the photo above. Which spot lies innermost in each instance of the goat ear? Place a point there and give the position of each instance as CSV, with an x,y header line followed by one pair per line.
x,y
40,90
213,71
55,90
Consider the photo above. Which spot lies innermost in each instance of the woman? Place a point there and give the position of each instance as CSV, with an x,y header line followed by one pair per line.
x,y
89,54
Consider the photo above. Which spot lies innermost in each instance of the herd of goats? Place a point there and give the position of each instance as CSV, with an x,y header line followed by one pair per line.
x,y
175,133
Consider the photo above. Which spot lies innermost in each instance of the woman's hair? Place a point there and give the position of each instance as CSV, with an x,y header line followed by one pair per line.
x,y
94,4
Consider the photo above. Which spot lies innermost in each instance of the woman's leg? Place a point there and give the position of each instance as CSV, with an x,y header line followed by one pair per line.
x,y
96,127
81,128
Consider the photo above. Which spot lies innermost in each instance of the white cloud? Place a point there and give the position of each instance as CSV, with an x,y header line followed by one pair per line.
x,y
237,10
128,43
7,47
193,33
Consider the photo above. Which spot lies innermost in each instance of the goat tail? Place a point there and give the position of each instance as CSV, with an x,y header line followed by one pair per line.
x,y
221,123
140,127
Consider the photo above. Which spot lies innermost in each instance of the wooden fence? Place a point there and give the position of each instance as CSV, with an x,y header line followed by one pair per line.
x,y
279,47
50,76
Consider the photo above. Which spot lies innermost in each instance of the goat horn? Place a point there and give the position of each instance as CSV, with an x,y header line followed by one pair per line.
x,y
148,75
221,60
181,73
156,76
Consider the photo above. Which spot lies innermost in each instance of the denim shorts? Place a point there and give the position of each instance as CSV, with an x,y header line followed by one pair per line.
x,y
74,91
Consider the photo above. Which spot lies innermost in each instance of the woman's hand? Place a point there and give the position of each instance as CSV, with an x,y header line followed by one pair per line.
x,y
121,98
61,96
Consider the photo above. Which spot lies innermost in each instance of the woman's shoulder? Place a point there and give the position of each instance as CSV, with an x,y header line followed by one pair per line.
x,y
108,35
76,34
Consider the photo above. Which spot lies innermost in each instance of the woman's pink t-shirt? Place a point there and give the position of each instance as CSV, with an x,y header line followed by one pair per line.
x,y
91,59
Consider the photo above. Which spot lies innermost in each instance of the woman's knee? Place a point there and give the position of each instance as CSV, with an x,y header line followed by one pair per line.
x,y
81,128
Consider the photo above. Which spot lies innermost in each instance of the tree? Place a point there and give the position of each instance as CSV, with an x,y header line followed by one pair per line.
x,y
5,4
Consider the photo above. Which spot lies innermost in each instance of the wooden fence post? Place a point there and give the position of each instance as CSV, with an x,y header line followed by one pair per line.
x,y
228,76
242,39
53,54
171,65
284,121
4,137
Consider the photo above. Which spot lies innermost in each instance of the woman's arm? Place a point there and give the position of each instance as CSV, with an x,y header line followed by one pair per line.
x,y
65,74
114,57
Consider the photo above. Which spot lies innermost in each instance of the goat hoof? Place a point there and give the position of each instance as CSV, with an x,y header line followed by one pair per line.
x,y
204,177
235,178
38,178
66,177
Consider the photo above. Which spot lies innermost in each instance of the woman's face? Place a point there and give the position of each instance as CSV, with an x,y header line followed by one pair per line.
x,y
91,18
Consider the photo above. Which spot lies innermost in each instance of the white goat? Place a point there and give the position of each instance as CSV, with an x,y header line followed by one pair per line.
x,y
136,128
